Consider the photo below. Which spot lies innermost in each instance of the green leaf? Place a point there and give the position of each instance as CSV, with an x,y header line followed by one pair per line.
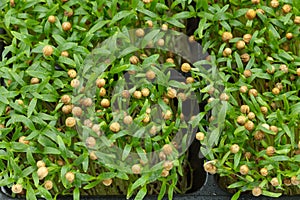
x,y
45,193
175,22
139,182
237,158
122,175
237,184
271,194
147,12
239,62
106,175
283,54
183,15
126,151
92,184
76,194
16,77
27,171
273,31
61,146
30,158
279,158
51,150
31,107
162,191
59,40
288,132
120,15
170,192
98,25
30,194
224,158
141,194
84,177
67,61
117,69
236,195
20,118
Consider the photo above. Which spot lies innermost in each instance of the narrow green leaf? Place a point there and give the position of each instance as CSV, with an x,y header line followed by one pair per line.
x,y
271,194
30,194
126,151
20,118
141,194
31,107
236,195
120,15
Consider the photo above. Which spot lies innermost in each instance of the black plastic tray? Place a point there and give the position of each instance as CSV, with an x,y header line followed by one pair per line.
x,y
209,191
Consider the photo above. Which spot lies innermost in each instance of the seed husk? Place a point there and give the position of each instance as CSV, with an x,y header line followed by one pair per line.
x,y
17,188
42,172
140,32
164,27
172,93
253,92
241,120
107,182
200,136
227,52
70,122
243,89
191,80
240,44
226,36
245,109
93,156
48,185
259,135
244,169
150,75
235,148
51,19
66,99
70,176
224,97
66,26
136,169
275,91
22,140
137,94
274,3
75,83
247,73
245,57
115,127
286,8
72,73
249,125
297,20
161,42
264,171
256,191
100,82
127,120
247,38
105,103
270,150
40,163
167,149
186,67
47,50
274,182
